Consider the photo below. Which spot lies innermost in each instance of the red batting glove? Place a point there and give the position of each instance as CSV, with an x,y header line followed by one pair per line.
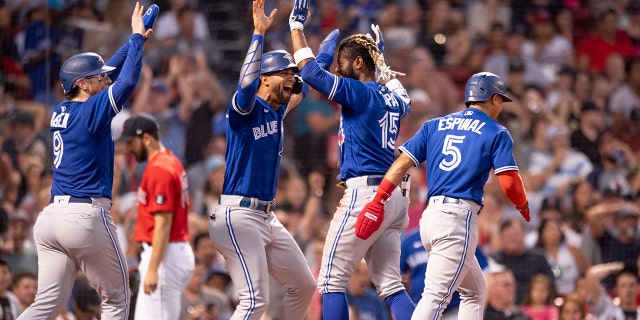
x,y
370,219
524,211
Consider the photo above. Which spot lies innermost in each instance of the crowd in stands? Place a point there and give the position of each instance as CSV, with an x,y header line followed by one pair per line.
x,y
572,68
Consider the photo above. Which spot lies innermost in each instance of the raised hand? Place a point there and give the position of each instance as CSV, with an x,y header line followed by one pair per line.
x,y
327,49
261,22
137,23
299,14
379,40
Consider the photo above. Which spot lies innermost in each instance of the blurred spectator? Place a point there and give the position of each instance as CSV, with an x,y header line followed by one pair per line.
x,y
582,89
593,51
492,44
538,303
185,42
315,120
546,51
560,97
501,297
582,197
586,138
620,240
167,25
572,308
564,23
492,12
85,302
524,263
198,303
557,165
633,29
207,119
566,261
19,252
614,71
364,297
618,164
499,61
423,75
24,138
215,166
24,287
40,59
625,98
218,283
205,253
626,289
489,223
9,305
171,121
445,35
630,136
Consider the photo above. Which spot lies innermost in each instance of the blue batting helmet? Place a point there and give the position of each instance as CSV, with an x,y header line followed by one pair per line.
x,y
481,86
277,60
81,66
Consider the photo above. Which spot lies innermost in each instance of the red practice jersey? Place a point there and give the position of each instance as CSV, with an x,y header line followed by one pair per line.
x,y
163,189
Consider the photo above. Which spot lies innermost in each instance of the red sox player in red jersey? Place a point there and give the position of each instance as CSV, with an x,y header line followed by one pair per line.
x,y
167,260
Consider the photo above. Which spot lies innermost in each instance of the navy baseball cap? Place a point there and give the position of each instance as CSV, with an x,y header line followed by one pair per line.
x,y
137,125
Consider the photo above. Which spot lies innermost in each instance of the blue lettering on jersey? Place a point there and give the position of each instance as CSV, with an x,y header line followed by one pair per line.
x,y
59,120
465,124
261,132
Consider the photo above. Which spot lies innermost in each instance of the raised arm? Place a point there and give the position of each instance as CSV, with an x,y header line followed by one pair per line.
x,y
127,78
250,72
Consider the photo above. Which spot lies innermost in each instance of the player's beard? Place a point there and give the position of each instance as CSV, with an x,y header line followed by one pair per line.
x,y
348,72
141,154
281,98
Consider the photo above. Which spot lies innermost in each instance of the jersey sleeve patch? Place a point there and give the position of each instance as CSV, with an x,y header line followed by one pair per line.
x,y
161,199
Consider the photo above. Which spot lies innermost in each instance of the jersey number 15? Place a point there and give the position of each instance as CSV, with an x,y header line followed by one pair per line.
x,y
389,127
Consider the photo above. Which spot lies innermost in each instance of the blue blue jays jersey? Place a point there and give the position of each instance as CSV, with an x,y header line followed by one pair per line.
x,y
370,121
460,149
82,141
254,135
413,260
254,146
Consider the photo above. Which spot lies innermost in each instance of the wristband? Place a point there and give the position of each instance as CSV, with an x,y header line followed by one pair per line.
x,y
385,189
296,25
302,54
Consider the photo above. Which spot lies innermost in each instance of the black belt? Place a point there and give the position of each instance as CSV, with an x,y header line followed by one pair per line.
x,y
374,181
73,199
371,181
261,206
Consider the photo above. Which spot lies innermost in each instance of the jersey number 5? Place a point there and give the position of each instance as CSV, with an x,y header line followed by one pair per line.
x,y
449,149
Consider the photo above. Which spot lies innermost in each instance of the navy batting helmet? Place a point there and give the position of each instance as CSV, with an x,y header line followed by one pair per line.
x,y
277,60
481,86
81,66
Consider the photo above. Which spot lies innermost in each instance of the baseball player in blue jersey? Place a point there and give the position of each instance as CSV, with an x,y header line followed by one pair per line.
x,y
460,150
75,231
373,102
244,228
413,261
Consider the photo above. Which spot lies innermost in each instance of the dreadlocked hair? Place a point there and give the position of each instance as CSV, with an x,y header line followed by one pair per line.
x,y
363,45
